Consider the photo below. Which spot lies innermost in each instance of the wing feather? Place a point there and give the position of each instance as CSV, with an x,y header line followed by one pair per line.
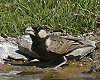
x,y
60,45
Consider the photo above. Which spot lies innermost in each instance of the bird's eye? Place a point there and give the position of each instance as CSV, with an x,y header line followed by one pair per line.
x,y
39,28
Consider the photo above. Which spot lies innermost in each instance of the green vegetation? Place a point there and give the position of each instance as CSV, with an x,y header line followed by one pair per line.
x,y
73,15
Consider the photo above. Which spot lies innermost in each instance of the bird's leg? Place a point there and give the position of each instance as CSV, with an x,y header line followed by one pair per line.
x,y
64,62
65,58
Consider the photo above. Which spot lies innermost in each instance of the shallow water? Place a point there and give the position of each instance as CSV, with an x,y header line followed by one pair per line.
x,y
65,73
43,77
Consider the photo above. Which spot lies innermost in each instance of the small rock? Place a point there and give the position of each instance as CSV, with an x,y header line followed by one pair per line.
x,y
25,42
2,39
9,49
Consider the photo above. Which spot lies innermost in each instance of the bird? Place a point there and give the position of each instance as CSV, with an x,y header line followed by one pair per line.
x,y
54,47
25,42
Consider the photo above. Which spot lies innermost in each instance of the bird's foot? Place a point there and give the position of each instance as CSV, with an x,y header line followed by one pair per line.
x,y
61,64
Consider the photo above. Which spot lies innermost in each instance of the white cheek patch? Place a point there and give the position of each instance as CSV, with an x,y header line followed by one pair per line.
x,y
42,33
48,41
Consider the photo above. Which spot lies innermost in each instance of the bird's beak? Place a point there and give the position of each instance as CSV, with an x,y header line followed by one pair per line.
x,y
29,31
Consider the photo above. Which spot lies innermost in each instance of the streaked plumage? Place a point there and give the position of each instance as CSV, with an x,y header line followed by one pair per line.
x,y
52,47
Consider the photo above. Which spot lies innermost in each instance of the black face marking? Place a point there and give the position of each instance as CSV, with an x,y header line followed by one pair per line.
x,y
37,29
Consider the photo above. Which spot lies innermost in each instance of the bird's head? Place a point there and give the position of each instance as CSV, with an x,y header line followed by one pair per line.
x,y
36,32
